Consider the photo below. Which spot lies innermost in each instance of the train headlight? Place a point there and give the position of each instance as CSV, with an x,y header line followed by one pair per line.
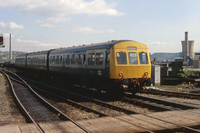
x,y
121,74
146,73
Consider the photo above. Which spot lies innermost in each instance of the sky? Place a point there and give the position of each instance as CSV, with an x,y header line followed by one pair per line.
x,y
37,25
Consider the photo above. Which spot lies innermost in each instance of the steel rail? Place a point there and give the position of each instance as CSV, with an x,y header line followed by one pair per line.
x,y
71,102
91,99
168,102
21,105
171,93
50,105
157,106
179,125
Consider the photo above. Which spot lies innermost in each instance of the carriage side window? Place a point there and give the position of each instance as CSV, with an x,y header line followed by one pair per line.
x,y
57,59
91,58
44,60
39,60
50,59
54,60
68,59
133,58
84,59
99,58
73,59
143,58
108,60
60,59
79,58
121,58
64,59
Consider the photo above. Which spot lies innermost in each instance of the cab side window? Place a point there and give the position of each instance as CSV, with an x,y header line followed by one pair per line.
x,y
143,58
121,58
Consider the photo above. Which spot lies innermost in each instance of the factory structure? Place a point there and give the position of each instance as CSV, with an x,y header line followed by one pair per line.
x,y
187,49
189,57
168,72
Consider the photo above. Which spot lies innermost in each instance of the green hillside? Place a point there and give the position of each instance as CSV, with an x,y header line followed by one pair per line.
x,y
165,56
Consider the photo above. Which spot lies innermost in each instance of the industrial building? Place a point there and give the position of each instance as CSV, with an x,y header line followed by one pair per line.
x,y
188,50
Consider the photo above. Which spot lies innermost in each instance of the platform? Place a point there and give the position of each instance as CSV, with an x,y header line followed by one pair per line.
x,y
120,124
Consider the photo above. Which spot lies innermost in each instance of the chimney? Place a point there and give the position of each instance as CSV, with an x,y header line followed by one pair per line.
x,y
186,36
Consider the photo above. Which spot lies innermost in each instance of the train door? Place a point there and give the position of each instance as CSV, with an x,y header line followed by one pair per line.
x,y
107,63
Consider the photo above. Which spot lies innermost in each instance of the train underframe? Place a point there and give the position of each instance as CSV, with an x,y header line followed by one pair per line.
x,y
114,87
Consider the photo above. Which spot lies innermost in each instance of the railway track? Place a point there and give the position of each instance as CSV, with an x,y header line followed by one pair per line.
x,y
145,102
82,101
171,94
159,104
33,106
159,101
145,99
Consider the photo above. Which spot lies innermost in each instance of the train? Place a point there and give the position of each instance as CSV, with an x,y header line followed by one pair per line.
x,y
115,66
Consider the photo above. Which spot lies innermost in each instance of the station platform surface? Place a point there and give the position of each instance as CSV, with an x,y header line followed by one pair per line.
x,y
119,124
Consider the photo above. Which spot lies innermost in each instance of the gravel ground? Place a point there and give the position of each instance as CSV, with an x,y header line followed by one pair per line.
x,y
72,112
132,107
10,113
8,109
177,89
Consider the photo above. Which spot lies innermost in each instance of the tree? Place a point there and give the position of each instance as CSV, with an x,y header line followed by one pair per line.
x,y
186,73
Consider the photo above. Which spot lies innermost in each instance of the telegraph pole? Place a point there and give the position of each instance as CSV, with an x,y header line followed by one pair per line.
x,y
10,50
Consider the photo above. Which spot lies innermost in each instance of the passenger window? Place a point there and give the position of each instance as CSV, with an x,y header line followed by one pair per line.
x,y
73,59
91,58
60,59
79,58
99,58
143,58
54,60
108,60
68,59
50,60
64,59
121,58
44,61
133,58
57,59
84,59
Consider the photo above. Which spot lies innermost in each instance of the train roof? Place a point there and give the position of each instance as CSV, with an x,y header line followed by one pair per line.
x,y
38,53
21,55
82,48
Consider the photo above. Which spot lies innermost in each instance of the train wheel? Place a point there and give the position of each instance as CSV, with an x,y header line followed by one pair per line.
x,y
135,89
116,92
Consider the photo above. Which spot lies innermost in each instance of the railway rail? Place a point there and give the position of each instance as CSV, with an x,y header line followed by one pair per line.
x,y
160,104
78,97
171,93
139,97
186,128
30,112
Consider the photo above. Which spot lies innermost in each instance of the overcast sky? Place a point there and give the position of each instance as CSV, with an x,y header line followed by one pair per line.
x,y
45,24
